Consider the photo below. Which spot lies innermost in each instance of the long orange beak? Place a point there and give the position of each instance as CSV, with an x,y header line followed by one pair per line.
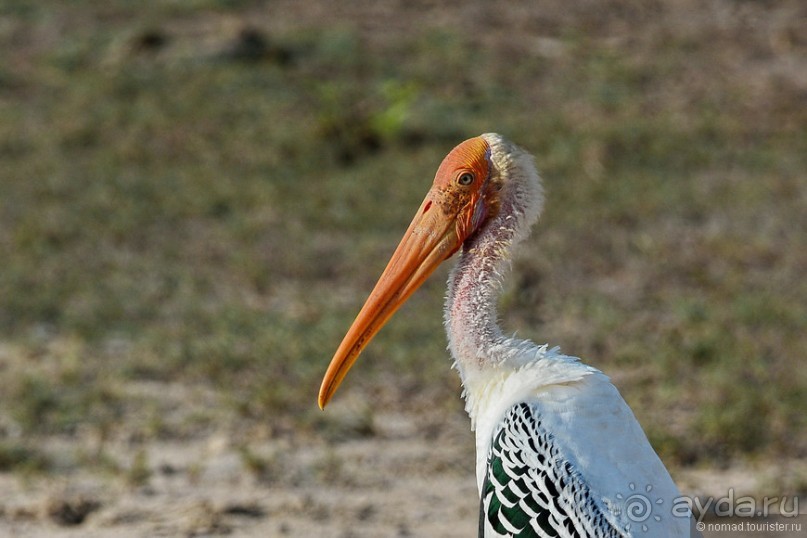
x,y
432,237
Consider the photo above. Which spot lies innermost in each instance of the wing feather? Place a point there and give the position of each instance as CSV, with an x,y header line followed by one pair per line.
x,y
530,490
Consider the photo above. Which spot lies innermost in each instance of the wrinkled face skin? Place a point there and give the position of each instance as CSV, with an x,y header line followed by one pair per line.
x,y
464,194
464,187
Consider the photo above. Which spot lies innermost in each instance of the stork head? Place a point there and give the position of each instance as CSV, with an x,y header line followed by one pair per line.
x,y
464,195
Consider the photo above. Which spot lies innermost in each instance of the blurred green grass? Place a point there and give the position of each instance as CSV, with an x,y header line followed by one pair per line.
x,y
203,204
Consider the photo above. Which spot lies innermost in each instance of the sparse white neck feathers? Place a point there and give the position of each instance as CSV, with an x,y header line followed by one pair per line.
x,y
497,370
476,281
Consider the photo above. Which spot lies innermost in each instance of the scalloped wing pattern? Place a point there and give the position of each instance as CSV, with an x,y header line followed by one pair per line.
x,y
531,490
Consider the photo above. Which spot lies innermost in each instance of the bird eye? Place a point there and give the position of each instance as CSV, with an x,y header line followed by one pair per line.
x,y
465,179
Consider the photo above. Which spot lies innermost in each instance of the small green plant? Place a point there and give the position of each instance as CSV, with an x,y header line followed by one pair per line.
x,y
19,457
264,467
139,472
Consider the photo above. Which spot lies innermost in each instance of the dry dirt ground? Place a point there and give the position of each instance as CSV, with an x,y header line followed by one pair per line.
x,y
409,477
392,485
382,487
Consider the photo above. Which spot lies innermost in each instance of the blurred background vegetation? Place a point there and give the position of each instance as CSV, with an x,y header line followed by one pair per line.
x,y
196,197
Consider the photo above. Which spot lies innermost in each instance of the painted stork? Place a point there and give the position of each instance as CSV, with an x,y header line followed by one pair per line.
x,y
559,452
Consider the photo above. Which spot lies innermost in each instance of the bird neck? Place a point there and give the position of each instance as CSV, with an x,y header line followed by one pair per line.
x,y
475,285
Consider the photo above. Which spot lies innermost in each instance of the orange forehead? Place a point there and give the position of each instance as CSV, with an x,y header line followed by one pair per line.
x,y
473,155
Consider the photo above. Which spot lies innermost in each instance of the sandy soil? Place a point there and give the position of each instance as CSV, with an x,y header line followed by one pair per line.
x,y
404,480
392,484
